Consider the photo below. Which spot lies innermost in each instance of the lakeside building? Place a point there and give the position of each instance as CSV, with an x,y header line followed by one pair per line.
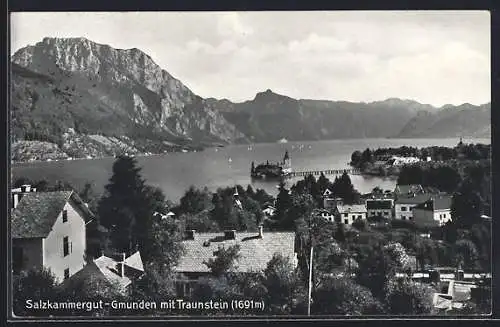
x,y
347,214
256,250
380,207
434,212
48,230
403,205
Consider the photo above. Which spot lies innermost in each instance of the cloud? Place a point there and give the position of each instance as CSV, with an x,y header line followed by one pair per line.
x,y
433,57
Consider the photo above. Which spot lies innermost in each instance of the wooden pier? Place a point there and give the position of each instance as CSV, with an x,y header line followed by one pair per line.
x,y
324,172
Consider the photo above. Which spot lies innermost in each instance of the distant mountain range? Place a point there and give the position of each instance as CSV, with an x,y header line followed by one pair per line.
x,y
64,88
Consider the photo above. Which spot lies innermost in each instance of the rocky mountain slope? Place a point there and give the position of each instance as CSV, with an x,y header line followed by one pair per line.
x,y
59,84
270,117
450,121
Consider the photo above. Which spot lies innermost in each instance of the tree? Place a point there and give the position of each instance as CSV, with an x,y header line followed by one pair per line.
x,y
284,290
194,200
123,198
224,261
342,296
356,158
283,204
466,206
343,188
33,285
405,297
465,254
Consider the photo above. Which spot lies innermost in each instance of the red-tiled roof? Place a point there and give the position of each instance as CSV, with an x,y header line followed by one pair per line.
x,y
255,252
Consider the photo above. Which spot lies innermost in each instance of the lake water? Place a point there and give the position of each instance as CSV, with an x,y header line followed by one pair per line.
x,y
220,167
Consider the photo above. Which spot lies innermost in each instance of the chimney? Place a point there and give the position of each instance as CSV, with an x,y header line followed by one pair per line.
x,y
190,234
261,231
230,234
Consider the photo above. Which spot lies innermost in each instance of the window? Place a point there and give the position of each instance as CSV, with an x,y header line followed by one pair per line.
x,y
403,217
345,214
65,216
359,216
346,221
403,208
65,246
66,273
386,213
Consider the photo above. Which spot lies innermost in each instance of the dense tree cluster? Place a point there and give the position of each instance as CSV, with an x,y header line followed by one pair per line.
x,y
436,153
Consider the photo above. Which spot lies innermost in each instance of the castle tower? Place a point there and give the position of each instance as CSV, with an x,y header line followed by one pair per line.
x,y
287,163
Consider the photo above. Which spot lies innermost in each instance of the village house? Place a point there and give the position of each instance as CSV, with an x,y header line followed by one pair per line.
x,y
48,229
115,270
379,207
403,205
434,212
330,201
347,214
256,250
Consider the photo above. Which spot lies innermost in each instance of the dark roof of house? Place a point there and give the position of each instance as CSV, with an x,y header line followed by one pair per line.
x,y
437,203
106,270
407,189
378,204
417,199
37,212
255,252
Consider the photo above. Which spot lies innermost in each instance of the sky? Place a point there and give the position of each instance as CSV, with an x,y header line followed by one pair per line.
x,y
434,57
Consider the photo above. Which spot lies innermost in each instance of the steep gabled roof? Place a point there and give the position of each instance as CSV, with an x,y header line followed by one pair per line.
x,y
255,252
37,212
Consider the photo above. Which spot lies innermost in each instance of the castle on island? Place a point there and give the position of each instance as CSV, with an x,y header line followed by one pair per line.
x,y
272,170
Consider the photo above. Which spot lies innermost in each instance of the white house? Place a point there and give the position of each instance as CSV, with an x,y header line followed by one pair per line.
x,y
434,212
48,230
404,204
347,214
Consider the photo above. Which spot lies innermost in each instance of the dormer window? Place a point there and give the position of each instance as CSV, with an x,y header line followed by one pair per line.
x,y
65,216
